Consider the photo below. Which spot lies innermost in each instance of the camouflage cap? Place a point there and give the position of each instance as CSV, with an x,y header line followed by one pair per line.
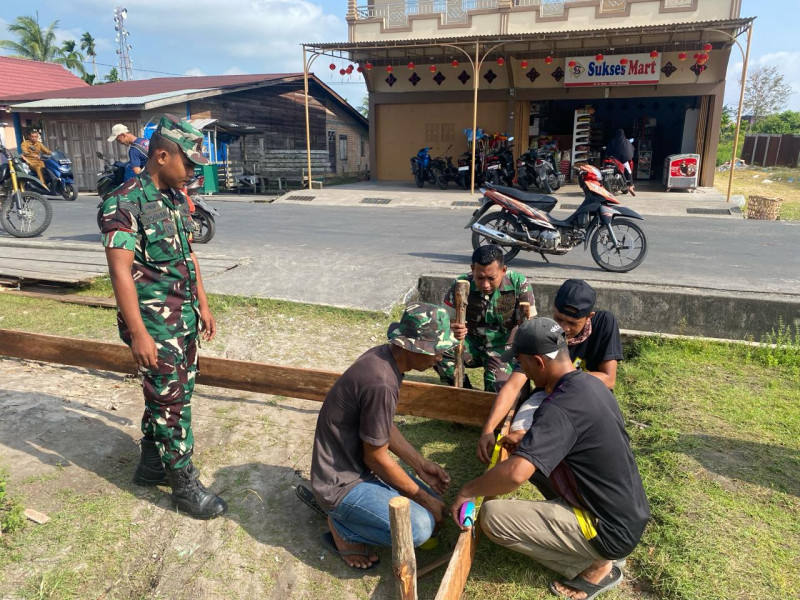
x,y
188,138
423,328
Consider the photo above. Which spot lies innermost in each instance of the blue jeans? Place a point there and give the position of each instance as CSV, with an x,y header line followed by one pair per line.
x,y
363,515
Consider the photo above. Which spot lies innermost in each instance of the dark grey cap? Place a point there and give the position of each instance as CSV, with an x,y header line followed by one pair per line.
x,y
575,298
538,337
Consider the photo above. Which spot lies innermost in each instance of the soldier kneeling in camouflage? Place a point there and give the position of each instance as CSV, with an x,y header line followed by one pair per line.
x,y
492,312
146,229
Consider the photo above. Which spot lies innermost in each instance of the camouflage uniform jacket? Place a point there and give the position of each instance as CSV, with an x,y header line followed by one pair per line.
x,y
156,227
491,318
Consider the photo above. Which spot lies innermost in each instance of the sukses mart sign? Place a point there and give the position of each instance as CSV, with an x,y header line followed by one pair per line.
x,y
629,69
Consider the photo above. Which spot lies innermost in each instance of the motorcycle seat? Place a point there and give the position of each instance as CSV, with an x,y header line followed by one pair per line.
x,y
558,222
526,197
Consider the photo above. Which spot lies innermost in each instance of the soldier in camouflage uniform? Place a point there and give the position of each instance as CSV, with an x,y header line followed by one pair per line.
x,y
146,229
492,312
353,476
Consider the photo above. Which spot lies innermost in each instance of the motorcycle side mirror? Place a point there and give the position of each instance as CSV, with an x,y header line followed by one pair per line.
x,y
511,139
99,154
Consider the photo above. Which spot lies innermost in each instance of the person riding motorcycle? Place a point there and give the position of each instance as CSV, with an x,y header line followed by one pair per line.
x,y
621,148
137,149
32,148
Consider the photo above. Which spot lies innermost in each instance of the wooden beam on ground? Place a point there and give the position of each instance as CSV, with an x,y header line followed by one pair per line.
x,y
469,407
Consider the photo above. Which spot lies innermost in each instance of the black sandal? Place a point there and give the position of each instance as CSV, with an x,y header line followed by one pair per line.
x,y
592,590
308,499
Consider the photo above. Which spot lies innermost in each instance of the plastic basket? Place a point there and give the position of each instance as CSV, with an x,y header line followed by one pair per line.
x,y
760,207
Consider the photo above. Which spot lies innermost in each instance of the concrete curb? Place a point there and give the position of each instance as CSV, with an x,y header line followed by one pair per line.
x,y
736,315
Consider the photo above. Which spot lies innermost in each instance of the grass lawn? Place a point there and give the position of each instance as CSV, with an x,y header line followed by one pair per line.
x,y
715,429
749,182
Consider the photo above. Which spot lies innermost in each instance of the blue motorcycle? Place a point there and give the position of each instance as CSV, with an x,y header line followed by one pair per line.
x,y
421,167
58,176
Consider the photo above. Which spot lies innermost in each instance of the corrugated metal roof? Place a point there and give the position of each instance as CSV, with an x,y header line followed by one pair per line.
x,y
20,76
201,123
91,102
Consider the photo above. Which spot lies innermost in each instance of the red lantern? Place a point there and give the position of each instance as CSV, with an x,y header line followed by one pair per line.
x,y
702,59
454,64
342,72
696,55
571,64
500,61
432,68
548,60
623,61
523,64
682,56
389,68
707,47
368,66
599,57
411,65
654,54
332,67
359,69
349,69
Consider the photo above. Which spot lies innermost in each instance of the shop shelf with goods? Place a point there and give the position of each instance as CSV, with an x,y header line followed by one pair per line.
x,y
581,134
644,133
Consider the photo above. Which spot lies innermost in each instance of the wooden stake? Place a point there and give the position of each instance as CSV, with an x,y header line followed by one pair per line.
x,y
526,311
462,292
404,562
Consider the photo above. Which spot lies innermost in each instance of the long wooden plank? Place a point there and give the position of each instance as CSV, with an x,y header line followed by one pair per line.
x,y
67,298
468,407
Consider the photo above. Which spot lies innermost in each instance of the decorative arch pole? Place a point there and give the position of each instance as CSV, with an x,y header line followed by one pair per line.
x,y
476,63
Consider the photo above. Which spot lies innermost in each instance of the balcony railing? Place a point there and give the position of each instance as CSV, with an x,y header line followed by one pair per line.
x,y
396,15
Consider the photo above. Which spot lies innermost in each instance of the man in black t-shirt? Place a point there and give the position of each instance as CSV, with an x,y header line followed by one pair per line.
x,y
353,476
594,346
577,440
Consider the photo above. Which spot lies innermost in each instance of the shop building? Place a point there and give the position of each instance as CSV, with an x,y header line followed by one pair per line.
x,y
654,68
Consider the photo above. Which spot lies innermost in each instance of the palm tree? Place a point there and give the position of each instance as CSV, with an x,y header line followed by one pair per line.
x,y
70,57
88,46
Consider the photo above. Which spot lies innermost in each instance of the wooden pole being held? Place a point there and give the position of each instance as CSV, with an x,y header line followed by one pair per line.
x,y
404,562
308,128
462,291
739,114
476,67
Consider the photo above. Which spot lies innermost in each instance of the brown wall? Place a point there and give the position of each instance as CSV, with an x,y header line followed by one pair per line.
x,y
779,150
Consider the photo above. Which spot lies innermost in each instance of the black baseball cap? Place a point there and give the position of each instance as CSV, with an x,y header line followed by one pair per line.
x,y
538,337
575,298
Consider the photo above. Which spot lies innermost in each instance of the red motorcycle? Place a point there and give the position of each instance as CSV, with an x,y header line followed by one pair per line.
x,y
600,222
614,176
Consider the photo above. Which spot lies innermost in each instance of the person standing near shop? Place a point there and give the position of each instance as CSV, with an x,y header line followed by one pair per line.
x,y
163,308
621,148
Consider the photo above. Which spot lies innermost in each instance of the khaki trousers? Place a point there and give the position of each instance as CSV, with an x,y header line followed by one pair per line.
x,y
547,531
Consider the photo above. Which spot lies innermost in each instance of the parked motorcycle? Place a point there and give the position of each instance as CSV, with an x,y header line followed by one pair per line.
x,y
617,243
23,212
538,167
58,176
500,163
111,177
202,213
465,166
444,170
614,176
421,167
538,201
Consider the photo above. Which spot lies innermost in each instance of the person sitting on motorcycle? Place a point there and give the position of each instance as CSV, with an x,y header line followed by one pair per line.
x,y
492,312
620,148
137,149
32,149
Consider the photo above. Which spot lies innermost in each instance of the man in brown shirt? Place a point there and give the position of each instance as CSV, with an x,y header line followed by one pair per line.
x,y
353,476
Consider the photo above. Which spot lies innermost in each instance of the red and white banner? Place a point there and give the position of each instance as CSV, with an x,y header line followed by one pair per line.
x,y
623,69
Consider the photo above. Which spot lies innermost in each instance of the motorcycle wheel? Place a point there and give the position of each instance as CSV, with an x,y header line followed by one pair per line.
x,y
419,178
462,181
546,186
619,260
501,221
522,180
31,219
70,192
553,182
204,227
440,180
495,177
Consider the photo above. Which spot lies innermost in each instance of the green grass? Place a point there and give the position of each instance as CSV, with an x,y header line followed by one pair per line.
x,y
715,429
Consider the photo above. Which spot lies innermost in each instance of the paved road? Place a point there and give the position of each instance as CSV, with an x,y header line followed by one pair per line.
x,y
369,257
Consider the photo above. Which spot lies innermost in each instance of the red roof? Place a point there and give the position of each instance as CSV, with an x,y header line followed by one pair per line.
x,y
159,85
20,77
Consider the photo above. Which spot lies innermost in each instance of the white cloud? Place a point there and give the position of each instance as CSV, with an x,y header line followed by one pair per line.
x,y
234,71
194,72
787,62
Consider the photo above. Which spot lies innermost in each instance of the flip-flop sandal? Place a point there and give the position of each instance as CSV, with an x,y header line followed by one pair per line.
x,y
308,499
330,545
592,590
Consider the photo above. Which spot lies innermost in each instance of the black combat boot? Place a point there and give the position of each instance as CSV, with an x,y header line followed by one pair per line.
x,y
150,470
189,495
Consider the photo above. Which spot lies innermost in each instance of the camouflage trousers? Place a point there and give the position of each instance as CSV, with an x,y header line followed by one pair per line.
x,y
495,371
168,389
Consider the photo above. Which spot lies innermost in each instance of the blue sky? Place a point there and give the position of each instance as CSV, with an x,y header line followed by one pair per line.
x,y
213,37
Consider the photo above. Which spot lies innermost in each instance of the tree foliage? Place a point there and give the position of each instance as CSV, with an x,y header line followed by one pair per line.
x,y
39,44
88,45
787,121
113,76
765,93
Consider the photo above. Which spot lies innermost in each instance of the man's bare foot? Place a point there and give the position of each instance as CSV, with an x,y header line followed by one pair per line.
x,y
594,574
359,558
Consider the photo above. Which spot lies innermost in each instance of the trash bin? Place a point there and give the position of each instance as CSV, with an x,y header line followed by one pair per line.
x,y
681,171
211,176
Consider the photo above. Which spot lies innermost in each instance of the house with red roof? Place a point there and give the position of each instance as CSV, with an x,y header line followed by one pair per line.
x,y
20,77
252,124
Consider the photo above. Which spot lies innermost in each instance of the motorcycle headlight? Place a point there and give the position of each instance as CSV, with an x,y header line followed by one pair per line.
x,y
26,168
65,168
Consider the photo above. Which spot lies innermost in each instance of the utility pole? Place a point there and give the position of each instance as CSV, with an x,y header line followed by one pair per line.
x,y
123,47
